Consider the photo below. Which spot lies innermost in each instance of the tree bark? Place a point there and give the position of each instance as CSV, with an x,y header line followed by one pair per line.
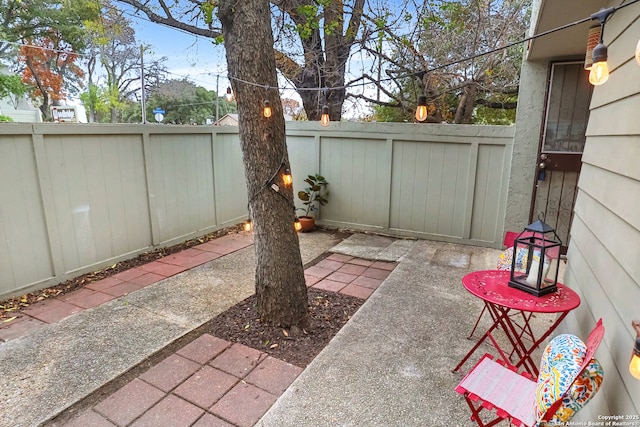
x,y
467,102
280,285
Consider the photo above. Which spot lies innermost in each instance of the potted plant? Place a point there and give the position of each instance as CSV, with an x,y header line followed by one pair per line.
x,y
312,197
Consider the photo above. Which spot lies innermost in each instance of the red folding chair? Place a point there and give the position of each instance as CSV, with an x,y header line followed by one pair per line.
x,y
492,386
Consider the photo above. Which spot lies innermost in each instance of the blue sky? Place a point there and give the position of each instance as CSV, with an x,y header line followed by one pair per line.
x,y
187,55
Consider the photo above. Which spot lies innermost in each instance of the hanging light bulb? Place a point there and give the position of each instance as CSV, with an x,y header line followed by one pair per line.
x,y
266,111
599,70
421,111
286,177
324,119
229,95
297,225
248,225
634,365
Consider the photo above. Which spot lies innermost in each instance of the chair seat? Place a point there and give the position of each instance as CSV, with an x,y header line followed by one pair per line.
x,y
512,395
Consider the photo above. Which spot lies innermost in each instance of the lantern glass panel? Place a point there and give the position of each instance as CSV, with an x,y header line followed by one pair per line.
x,y
536,257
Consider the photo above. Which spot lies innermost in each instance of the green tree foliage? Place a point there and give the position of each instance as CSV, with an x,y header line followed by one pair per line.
x,y
46,24
11,87
186,103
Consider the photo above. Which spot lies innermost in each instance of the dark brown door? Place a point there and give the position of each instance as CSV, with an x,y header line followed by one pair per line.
x,y
561,147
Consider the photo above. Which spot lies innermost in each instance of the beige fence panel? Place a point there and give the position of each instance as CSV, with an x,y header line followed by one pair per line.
x,y
74,198
24,246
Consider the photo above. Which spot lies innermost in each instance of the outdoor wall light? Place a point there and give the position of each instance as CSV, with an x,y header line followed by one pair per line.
x,y
600,70
287,178
421,110
266,111
634,365
324,119
229,95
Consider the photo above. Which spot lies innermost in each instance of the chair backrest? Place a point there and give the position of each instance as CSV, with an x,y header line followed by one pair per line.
x,y
593,342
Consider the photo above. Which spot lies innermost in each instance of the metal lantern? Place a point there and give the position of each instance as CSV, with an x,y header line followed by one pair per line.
x,y
536,258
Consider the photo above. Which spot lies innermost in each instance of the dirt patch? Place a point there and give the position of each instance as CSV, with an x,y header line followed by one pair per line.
x,y
329,312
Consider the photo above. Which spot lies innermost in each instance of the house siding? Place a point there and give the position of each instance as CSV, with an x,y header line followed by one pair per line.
x,y
604,251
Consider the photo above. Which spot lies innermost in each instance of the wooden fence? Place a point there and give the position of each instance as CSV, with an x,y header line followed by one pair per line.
x,y
75,198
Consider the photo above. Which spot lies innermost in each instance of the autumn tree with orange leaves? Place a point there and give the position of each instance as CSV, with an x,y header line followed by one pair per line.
x,y
51,71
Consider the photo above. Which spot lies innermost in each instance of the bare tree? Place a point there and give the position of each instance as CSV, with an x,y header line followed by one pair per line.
x,y
441,54
313,45
280,285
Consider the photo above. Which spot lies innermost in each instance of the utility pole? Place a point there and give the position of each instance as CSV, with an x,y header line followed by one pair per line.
x,y
144,102
217,97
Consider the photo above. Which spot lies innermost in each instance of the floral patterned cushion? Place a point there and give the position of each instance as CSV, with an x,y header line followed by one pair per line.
x,y
506,258
559,366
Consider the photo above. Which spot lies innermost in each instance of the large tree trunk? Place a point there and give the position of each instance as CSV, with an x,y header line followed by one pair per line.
x,y
280,285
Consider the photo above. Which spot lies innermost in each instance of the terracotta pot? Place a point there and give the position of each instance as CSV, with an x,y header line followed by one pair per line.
x,y
308,223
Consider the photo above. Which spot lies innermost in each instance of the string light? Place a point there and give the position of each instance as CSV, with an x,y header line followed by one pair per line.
x,y
229,95
287,178
297,225
248,225
421,110
600,70
266,111
638,52
324,119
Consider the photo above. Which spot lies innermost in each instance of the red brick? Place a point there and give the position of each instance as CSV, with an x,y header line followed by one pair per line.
x,y
51,311
340,257
359,261
86,298
330,265
167,374
128,403
209,420
129,274
171,411
203,348
103,284
341,277
376,273
273,375
253,401
206,386
163,268
316,271
124,288
311,280
89,418
204,257
19,327
357,291
147,279
238,360
367,282
329,285
352,269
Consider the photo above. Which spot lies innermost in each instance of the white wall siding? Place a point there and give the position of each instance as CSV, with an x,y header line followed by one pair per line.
x,y
604,250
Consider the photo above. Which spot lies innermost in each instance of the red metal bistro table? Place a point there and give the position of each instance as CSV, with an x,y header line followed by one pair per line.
x,y
503,302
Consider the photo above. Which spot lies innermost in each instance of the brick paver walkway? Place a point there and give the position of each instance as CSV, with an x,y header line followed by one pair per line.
x,y
209,382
